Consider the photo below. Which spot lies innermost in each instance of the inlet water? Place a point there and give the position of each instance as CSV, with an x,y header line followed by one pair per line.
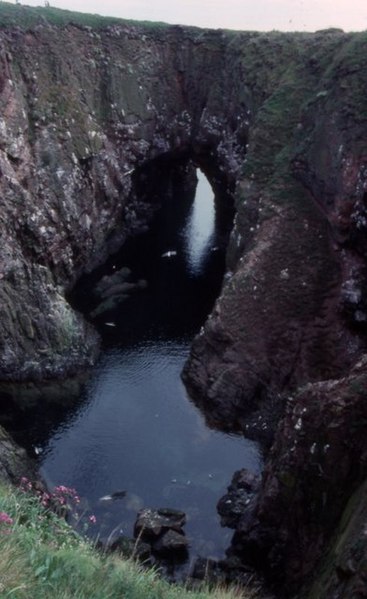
x,y
135,429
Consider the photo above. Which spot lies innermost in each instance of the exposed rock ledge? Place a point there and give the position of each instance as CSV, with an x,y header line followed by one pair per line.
x,y
281,117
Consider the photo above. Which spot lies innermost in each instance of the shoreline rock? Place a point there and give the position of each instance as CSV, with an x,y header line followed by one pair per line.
x,y
14,461
162,529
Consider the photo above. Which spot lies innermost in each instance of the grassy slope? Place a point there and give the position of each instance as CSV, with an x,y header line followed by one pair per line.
x,y
42,557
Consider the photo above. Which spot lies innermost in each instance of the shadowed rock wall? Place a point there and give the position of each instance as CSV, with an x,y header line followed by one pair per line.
x,y
281,119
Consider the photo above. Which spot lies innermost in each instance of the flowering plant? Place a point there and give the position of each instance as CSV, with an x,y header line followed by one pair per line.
x,y
7,520
64,501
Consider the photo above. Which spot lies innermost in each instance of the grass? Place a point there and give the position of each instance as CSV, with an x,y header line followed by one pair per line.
x,y
42,557
29,16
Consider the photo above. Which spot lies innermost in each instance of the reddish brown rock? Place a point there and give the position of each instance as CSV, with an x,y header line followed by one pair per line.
x,y
318,460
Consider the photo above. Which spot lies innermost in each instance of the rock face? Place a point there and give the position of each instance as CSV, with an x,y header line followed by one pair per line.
x,y
292,309
280,120
14,462
318,460
81,111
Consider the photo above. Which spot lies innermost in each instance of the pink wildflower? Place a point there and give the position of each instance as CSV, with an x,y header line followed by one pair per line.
x,y
92,519
5,518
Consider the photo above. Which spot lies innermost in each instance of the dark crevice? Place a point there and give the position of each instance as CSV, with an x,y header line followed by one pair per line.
x,y
154,185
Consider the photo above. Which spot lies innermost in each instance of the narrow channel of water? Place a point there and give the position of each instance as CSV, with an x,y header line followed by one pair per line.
x,y
135,429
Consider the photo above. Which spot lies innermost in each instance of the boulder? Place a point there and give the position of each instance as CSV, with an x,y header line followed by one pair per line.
x,y
171,542
153,523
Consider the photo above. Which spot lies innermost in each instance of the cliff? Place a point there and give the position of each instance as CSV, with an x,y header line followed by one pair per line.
x,y
81,110
278,119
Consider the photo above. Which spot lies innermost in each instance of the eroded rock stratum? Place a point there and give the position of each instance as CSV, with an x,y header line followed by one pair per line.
x,y
281,120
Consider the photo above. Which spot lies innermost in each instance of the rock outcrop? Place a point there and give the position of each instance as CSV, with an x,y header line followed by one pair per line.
x,y
318,461
281,121
14,461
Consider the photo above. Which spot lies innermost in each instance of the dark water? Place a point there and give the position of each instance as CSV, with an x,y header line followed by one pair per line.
x,y
134,428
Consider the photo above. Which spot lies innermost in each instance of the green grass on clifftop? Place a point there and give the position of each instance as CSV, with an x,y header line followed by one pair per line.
x,y
12,15
43,558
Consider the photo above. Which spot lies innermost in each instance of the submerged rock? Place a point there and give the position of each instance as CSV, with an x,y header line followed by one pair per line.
x,y
112,290
107,305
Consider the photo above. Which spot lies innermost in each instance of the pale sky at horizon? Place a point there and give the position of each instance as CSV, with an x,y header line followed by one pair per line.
x,y
261,15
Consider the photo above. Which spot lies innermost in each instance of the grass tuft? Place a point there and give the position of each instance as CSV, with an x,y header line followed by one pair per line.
x,y
42,557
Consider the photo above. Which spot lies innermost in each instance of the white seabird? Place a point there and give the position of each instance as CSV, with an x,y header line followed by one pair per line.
x,y
169,254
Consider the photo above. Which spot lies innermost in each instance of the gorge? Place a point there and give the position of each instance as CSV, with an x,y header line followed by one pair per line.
x,y
276,121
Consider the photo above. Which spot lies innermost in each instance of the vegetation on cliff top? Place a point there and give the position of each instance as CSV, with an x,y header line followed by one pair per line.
x,y
17,15
43,557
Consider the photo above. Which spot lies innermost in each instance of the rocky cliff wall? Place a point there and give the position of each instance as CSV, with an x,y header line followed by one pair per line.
x,y
279,118
80,111
294,259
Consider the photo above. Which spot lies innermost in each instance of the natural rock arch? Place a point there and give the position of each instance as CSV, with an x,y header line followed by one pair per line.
x,y
285,118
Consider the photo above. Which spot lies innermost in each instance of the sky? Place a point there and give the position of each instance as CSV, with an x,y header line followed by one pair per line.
x,y
260,15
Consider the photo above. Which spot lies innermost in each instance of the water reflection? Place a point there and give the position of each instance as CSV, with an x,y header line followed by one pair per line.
x,y
199,237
